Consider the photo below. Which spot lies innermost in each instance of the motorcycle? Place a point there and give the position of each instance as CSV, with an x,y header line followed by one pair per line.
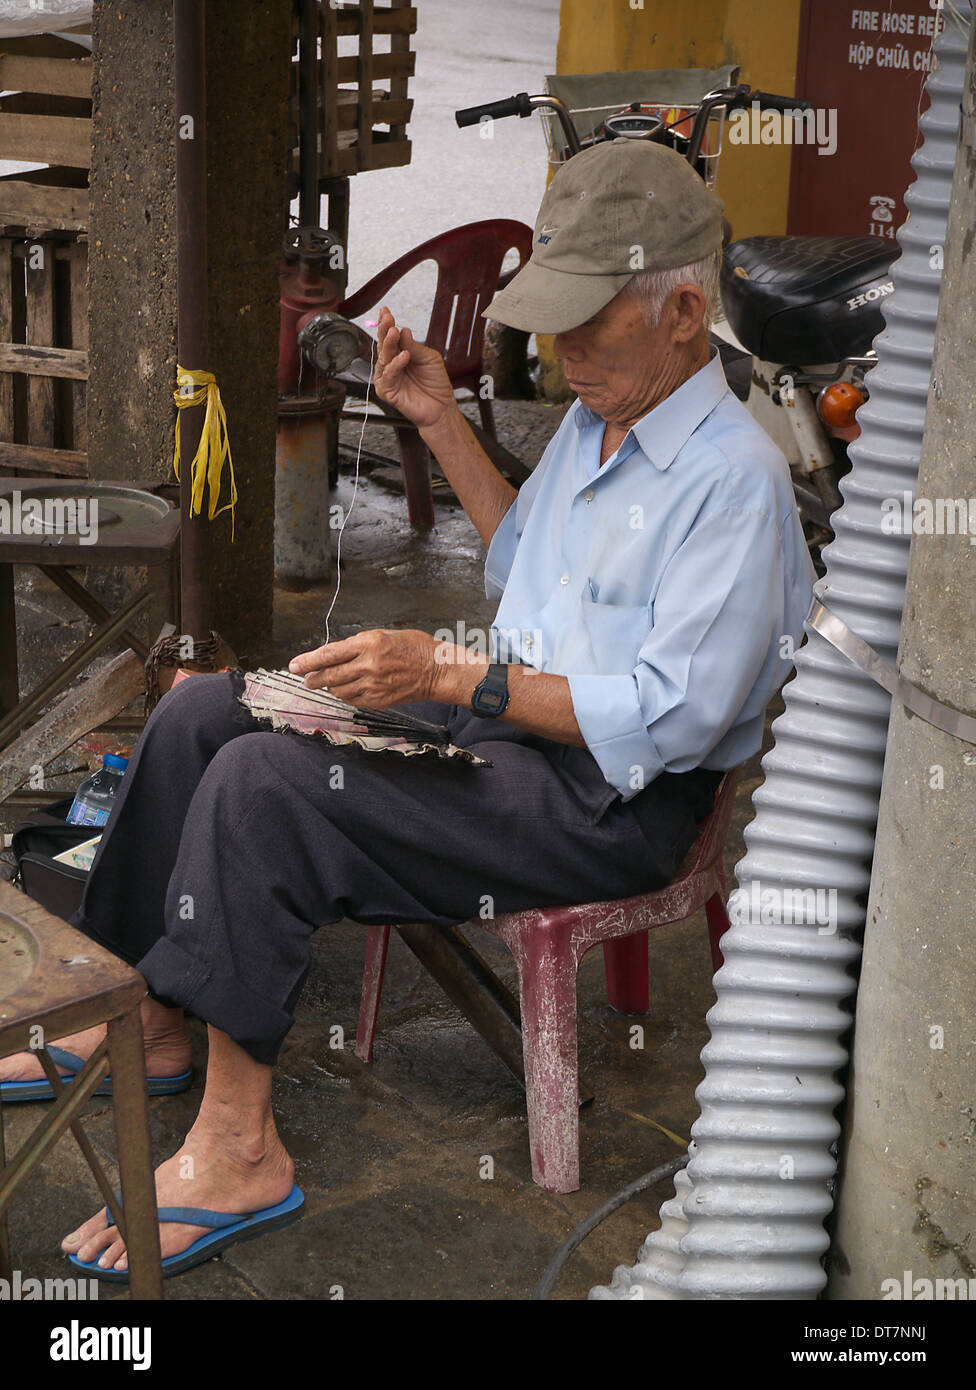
x,y
800,312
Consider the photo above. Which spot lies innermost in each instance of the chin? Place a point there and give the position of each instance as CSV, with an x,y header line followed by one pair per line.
x,y
591,399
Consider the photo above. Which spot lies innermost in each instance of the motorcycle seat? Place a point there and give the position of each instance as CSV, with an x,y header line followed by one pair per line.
x,y
806,300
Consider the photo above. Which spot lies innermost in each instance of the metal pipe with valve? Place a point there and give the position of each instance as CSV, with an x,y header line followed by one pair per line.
x,y
313,342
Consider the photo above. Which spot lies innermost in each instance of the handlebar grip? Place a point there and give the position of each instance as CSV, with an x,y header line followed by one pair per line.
x,y
510,106
769,101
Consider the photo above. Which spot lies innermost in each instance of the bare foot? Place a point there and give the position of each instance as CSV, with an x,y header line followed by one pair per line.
x,y
214,1169
167,1046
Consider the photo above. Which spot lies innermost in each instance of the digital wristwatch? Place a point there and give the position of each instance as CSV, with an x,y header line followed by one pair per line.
x,y
490,698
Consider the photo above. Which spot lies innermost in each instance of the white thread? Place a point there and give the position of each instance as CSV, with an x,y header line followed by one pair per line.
x,y
355,489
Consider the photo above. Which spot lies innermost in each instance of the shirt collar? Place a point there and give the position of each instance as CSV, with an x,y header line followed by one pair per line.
x,y
664,431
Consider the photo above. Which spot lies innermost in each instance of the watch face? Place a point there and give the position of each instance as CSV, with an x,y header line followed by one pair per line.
x,y
490,701
491,696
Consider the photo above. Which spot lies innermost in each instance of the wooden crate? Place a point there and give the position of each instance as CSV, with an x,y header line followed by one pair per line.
x,y
45,117
43,355
363,106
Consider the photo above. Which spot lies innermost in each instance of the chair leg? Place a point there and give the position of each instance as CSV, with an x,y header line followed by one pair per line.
x,y
625,964
6,1268
487,416
415,461
128,1067
718,925
377,944
547,988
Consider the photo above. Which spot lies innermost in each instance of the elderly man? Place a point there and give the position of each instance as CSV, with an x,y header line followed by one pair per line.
x,y
649,574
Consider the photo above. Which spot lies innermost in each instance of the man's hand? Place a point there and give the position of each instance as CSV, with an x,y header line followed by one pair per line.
x,y
411,377
379,667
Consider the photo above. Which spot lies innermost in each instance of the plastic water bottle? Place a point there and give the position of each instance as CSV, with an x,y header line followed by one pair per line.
x,y
95,796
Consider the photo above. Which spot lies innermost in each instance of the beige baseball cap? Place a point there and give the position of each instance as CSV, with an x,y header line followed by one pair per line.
x,y
614,209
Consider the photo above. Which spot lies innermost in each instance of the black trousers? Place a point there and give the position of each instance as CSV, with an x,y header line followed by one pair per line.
x,y
229,844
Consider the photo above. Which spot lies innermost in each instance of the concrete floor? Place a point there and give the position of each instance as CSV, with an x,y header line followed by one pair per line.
x,y
392,1156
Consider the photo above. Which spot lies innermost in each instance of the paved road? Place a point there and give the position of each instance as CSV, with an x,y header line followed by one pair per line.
x,y
467,51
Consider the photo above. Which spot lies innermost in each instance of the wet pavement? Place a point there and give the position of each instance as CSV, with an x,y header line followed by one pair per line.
x,y
415,1168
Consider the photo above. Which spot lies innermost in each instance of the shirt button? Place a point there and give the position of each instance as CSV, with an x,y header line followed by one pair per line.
x,y
589,494
565,579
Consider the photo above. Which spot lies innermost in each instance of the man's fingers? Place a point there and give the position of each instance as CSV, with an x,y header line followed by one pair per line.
x,y
332,654
352,693
333,677
391,339
307,661
416,352
389,345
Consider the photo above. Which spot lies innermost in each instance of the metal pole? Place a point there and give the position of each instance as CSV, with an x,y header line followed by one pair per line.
x,y
908,1198
191,288
308,129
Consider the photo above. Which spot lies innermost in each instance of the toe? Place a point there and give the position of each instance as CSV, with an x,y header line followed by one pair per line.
x,y
95,1244
84,1233
113,1253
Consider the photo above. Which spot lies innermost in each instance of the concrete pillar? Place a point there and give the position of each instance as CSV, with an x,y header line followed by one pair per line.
x,y
908,1190
132,274
132,243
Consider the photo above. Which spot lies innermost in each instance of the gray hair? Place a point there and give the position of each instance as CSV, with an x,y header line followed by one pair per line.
x,y
651,288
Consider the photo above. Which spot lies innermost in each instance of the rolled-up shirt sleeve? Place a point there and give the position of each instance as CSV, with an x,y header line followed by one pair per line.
x,y
715,616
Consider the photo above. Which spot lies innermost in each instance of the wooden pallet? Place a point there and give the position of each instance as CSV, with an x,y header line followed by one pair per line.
x,y
43,355
362,125
45,118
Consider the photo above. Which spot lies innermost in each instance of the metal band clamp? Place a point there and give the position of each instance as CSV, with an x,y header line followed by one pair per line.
x,y
866,659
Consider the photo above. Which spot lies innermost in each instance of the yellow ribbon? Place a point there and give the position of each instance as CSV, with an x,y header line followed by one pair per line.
x,y
214,447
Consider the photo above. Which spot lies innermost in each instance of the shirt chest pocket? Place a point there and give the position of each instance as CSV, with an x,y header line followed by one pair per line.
x,y
616,632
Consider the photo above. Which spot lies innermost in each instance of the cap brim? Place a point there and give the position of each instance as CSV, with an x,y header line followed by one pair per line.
x,y
540,300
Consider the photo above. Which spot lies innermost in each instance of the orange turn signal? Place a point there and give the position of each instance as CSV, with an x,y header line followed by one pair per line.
x,y
838,404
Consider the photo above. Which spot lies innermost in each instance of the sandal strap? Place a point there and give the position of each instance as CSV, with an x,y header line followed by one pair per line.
x,y
62,1058
200,1216
195,1216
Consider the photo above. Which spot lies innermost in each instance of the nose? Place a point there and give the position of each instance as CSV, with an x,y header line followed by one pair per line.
x,y
564,347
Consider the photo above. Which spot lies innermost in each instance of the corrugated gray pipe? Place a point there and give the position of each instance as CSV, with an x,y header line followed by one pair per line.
x,y
747,1221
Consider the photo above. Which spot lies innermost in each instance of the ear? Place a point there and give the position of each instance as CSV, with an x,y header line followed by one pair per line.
x,y
687,306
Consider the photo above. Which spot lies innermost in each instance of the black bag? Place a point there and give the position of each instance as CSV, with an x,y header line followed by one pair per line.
x,y
45,833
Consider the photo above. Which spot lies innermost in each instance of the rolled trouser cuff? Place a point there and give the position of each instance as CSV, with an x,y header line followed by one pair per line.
x,y
217,996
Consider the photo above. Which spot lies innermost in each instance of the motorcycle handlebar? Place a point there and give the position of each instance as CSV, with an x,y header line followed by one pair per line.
x,y
518,105
769,101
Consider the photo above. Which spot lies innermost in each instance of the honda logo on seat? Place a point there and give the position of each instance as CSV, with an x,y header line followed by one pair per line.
x,y
868,297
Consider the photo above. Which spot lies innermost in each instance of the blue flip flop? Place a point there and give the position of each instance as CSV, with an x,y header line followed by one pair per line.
x,y
41,1089
227,1229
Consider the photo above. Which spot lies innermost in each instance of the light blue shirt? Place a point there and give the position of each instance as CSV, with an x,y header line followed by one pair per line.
x,y
670,585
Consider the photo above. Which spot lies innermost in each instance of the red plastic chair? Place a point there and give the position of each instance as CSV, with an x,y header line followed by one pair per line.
x,y
469,261
548,944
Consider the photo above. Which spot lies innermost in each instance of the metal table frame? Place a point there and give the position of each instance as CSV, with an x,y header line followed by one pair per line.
x,y
75,984
154,546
